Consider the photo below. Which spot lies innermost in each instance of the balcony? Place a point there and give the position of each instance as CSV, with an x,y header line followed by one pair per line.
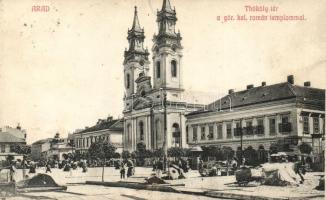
x,y
284,127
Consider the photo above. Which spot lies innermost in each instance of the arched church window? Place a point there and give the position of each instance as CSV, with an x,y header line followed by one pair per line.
x,y
128,80
158,69
141,130
174,68
176,133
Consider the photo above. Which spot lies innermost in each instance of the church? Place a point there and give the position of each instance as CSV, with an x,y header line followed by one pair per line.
x,y
154,110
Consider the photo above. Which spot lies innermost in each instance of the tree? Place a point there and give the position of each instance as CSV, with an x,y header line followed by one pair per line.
x,y
273,148
20,149
116,155
10,158
305,148
141,147
101,150
125,155
176,152
251,156
159,153
228,153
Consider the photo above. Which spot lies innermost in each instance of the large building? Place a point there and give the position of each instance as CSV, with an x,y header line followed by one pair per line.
x,y
40,148
264,114
8,137
145,119
159,116
109,129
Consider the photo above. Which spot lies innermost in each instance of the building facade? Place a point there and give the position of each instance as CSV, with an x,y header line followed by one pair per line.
x,y
155,114
8,137
51,149
40,149
109,129
260,116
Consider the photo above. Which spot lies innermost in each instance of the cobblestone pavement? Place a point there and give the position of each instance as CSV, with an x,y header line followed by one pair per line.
x,y
193,182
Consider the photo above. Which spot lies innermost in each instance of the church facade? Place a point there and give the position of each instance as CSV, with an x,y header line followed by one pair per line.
x,y
154,110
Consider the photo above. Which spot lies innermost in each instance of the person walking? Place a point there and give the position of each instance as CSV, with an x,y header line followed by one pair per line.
x,y
48,168
12,171
32,168
130,168
159,168
298,168
122,171
154,165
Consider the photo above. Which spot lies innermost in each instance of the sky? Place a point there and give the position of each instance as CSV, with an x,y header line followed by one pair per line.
x,y
62,70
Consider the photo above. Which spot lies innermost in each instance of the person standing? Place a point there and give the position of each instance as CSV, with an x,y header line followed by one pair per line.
x,y
48,167
297,169
159,168
12,171
130,168
122,171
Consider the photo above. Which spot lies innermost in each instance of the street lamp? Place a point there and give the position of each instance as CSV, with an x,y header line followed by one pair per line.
x,y
165,149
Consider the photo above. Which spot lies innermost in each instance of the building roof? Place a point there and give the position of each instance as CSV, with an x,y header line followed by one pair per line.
x,y
112,124
42,141
307,96
9,138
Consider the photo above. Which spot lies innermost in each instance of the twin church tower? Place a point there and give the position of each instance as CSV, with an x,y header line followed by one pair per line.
x,y
144,118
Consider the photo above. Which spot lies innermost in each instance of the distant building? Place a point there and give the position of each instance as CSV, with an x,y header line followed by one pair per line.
x,y
261,115
105,130
58,149
51,148
8,137
40,149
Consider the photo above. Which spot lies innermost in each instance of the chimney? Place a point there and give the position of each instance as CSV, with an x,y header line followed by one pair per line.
x,y
231,91
291,79
250,86
263,83
307,84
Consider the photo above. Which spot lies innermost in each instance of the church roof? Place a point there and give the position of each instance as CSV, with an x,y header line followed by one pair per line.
x,y
135,23
166,6
310,97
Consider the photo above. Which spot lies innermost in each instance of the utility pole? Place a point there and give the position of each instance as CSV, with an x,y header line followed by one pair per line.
x,y
241,136
165,132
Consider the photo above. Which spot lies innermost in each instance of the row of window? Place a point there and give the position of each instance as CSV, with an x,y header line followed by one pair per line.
x,y
306,125
87,141
248,129
158,131
174,71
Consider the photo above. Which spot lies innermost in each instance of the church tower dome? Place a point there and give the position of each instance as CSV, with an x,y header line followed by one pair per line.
x,y
135,59
167,51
